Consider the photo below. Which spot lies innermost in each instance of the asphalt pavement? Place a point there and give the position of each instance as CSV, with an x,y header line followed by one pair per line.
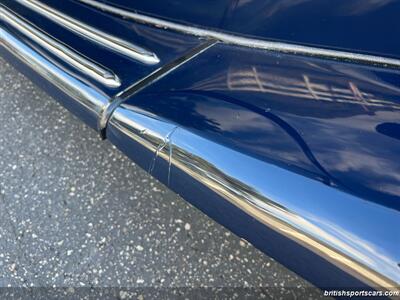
x,y
75,212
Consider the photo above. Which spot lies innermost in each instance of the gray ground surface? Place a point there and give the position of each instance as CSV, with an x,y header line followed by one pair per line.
x,y
74,211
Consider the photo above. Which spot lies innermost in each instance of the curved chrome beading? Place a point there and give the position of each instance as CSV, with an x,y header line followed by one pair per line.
x,y
146,81
259,194
93,34
65,53
91,99
249,42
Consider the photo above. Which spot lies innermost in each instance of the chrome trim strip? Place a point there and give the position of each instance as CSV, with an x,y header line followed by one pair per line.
x,y
171,147
146,81
91,99
250,42
93,34
70,56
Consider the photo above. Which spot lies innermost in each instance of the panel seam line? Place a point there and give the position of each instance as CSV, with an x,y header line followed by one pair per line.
x,y
156,75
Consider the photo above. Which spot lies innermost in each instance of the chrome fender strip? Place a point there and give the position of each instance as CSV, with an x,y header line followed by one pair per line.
x,y
249,42
167,149
65,53
90,98
106,40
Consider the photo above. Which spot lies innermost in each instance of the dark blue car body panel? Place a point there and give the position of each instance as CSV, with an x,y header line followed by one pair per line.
x,y
311,144
167,46
355,25
318,118
264,108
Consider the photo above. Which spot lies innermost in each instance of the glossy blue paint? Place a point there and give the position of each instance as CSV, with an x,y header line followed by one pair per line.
x,y
208,158
206,13
302,134
355,25
314,117
298,155
167,45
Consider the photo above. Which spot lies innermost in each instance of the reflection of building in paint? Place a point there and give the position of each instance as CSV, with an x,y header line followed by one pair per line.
x,y
266,81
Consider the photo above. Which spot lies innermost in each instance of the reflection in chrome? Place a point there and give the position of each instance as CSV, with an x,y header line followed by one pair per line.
x,y
264,81
248,42
93,34
92,99
62,51
214,166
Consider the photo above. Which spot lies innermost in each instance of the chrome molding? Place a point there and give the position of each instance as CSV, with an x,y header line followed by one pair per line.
x,y
114,43
149,79
249,42
172,150
65,53
91,99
